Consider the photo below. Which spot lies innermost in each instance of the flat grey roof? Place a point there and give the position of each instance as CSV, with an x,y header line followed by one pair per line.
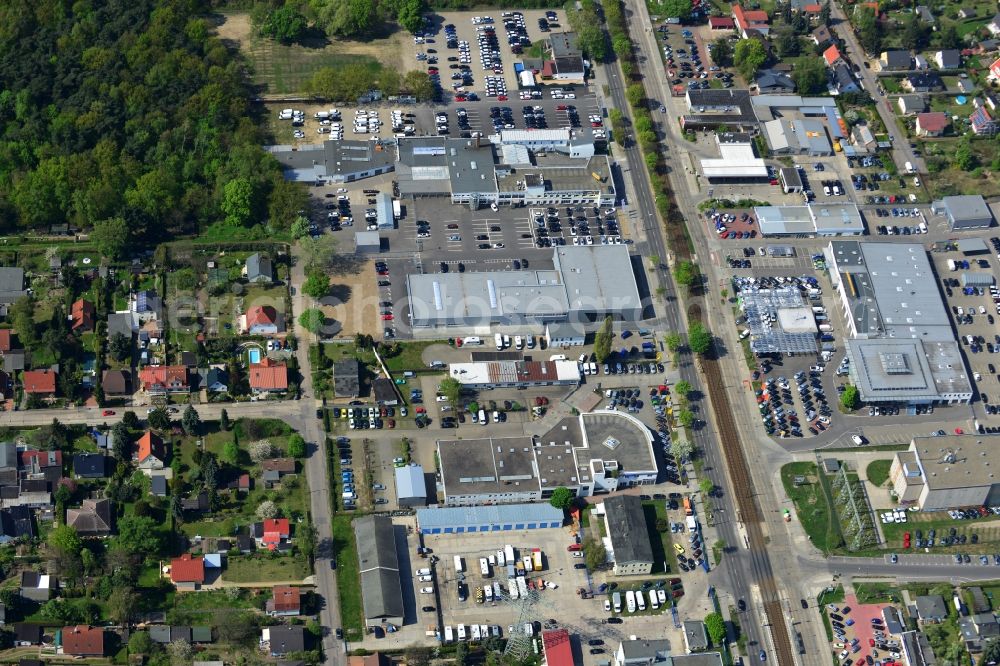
x,y
784,220
614,436
719,107
496,514
598,277
700,659
627,529
763,309
332,158
957,461
886,369
380,585
410,482
791,177
488,466
562,174
966,207
470,168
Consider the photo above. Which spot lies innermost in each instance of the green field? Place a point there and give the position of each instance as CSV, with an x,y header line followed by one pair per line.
x,y
878,472
811,505
283,69
266,567
875,593
663,550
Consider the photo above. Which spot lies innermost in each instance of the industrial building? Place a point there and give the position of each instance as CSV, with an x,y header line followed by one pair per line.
x,y
738,163
595,452
383,211
940,473
797,137
826,219
966,211
627,543
564,335
791,181
515,374
902,347
712,108
498,518
411,488
587,283
381,590
334,161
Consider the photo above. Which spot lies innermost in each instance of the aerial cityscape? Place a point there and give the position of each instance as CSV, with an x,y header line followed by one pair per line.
x,y
510,333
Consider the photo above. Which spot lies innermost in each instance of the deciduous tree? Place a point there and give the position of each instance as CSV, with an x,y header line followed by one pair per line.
x,y
699,339
562,498
749,56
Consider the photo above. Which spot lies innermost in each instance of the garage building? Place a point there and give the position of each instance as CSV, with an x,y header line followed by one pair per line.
x,y
381,589
411,488
500,518
966,211
940,473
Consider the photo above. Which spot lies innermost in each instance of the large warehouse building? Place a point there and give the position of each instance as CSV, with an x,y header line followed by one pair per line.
x,y
940,473
381,590
499,518
827,219
965,211
335,161
902,348
586,283
596,452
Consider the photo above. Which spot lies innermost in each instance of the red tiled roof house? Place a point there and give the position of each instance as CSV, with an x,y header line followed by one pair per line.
x,y
285,601
163,379
83,641
273,531
933,123
150,452
187,571
83,314
751,19
268,377
39,382
261,320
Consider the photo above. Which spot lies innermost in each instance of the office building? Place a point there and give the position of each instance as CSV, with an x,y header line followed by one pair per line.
x,y
940,473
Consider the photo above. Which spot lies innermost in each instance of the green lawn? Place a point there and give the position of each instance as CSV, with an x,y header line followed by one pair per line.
x,y
409,356
833,597
814,512
878,472
987,529
876,593
348,577
266,567
286,69
211,600
663,550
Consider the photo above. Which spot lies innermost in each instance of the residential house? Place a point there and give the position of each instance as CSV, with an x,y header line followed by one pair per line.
x,y
272,532
747,20
923,82
920,62
948,59
14,360
895,60
41,465
977,629
695,636
911,104
122,323
994,26
281,640
37,586
863,138
770,81
92,519
27,634
931,609
217,380
932,123
8,457
150,453
6,340
89,465
821,36
201,634
29,493
276,468
347,378
39,382
979,603
83,641
187,571
285,601
983,124
164,379
385,392
6,386
11,285
832,56
158,485
843,79
245,543
147,305
966,13
268,377
262,320
117,383
808,7
83,316
258,269
150,332
196,503
923,12
721,23
966,86
16,524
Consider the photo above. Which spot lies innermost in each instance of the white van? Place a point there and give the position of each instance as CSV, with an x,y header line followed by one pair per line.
x,y
499,341
518,342
558,357
482,417
471,341
461,632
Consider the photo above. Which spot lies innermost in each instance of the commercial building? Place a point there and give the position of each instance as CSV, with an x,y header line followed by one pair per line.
x,y
498,518
411,489
791,181
628,536
595,452
334,161
939,473
902,347
797,137
711,108
564,335
381,590
367,242
586,284
966,211
515,374
779,321
826,219
637,652
557,648
383,211
738,163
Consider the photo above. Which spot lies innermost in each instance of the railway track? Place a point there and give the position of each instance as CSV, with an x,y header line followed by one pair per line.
x,y
739,472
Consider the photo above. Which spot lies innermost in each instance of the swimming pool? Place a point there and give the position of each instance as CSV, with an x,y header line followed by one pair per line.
x,y
254,355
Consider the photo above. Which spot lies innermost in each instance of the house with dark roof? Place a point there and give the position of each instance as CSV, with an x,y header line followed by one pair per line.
x,y
983,124
92,519
912,104
275,468
82,316
263,320
11,284
948,59
245,543
147,305
217,380
158,485
281,640
39,382
83,641
385,392
27,634
347,378
772,82
37,586
626,528
895,60
122,323
268,377
258,269
41,464
285,601
923,82
165,634
821,36
117,383
16,523
89,465
931,609
187,571
196,503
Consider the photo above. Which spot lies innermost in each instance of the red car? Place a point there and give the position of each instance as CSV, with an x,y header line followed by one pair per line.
x,y
502,98
387,317
459,98
871,642
560,107
108,412
421,410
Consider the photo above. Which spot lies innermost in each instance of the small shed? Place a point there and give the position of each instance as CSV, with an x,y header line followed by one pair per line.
x,y
831,465
411,488
367,242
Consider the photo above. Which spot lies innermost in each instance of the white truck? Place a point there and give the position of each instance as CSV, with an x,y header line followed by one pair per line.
x,y
461,632
459,565
449,634
640,600
484,567
630,601
616,600
909,167
653,603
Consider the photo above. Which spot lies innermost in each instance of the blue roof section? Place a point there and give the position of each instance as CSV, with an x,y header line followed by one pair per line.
x,y
831,119
410,482
542,512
